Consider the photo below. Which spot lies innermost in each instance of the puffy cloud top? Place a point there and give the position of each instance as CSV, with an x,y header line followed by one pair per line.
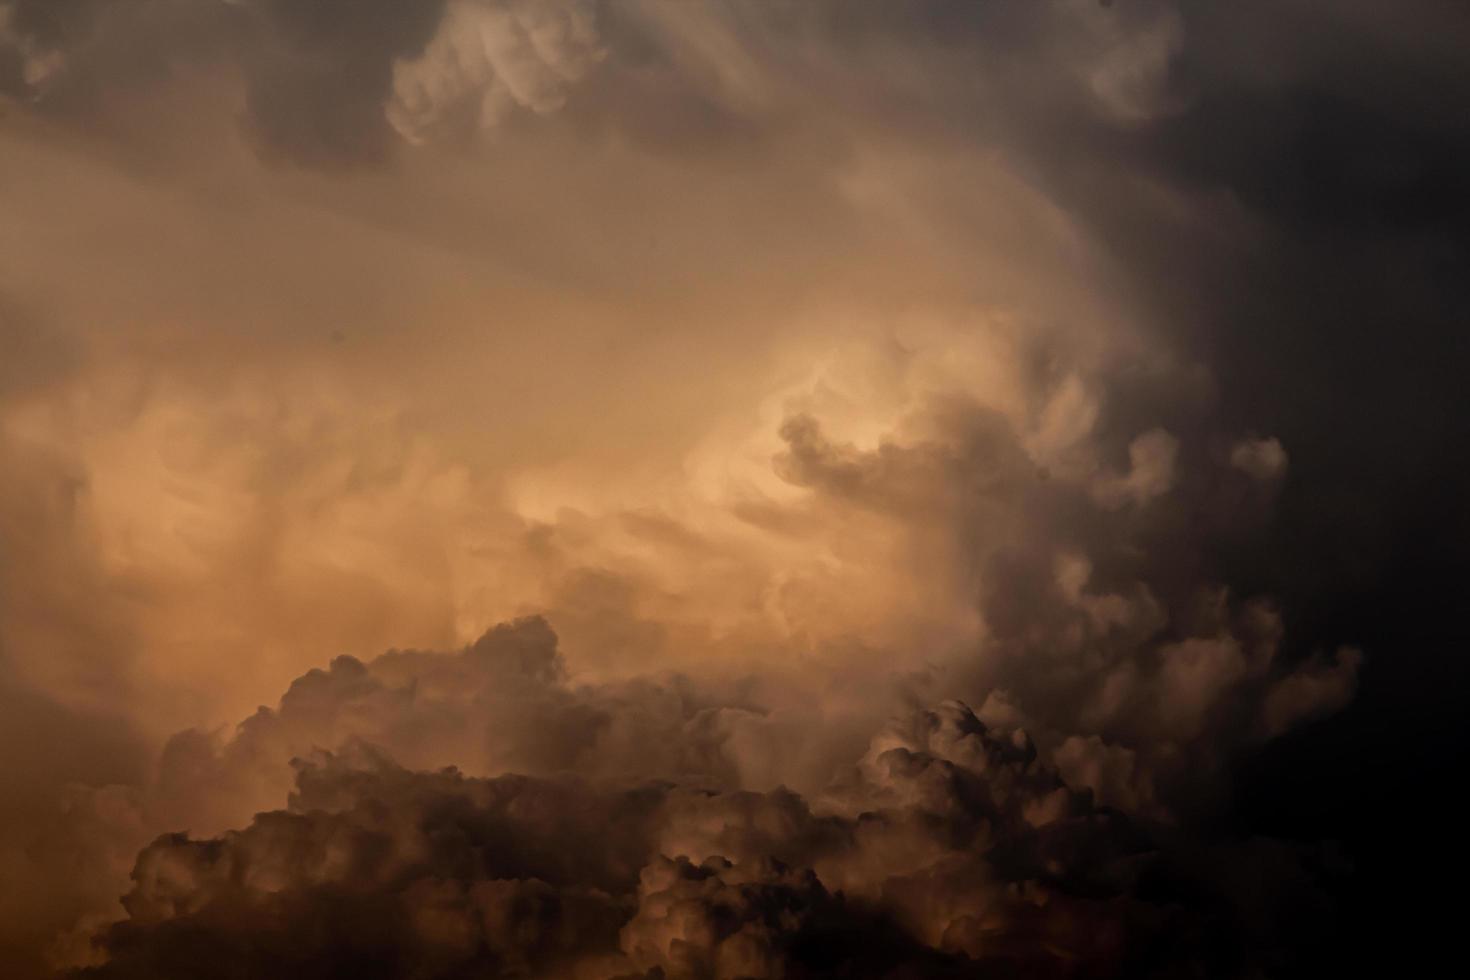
x,y
954,853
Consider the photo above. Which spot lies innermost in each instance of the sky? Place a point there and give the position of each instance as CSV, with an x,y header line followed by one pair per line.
x,y
694,488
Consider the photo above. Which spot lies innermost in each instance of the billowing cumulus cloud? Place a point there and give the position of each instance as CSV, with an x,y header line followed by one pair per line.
x,y
950,851
851,487
735,874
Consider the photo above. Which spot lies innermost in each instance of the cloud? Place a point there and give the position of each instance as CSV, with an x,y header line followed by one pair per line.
x,y
801,364
965,852
1321,687
487,58
936,796
1151,459
1263,459
321,84
318,74
995,573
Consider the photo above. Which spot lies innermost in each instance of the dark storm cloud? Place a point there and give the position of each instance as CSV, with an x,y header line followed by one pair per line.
x,y
1281,194
1311,246
1108,638
504,703
952,846
962,856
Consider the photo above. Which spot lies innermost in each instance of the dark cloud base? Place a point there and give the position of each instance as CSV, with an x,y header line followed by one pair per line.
x,y
950,849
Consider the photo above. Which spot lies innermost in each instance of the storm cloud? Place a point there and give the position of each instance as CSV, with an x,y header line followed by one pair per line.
x,y
949,851
851,487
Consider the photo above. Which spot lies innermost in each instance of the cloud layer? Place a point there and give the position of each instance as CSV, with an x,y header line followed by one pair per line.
x,y
652,834
950,850
701,402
